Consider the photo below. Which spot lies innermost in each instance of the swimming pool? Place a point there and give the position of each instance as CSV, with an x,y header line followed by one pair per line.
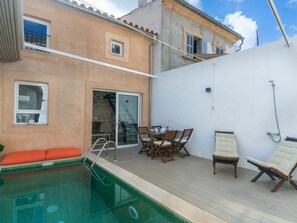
x,y
72,194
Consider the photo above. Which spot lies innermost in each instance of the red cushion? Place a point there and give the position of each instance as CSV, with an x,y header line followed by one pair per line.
x,y
24,157
59,153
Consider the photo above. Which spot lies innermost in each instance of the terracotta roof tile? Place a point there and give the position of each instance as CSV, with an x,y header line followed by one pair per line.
x,y
81,5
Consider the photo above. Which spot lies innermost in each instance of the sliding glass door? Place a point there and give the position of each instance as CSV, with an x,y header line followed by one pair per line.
x,y
115,117
127,119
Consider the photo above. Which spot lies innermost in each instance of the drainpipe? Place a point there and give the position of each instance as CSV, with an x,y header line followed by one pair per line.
x,y
239,47
151,68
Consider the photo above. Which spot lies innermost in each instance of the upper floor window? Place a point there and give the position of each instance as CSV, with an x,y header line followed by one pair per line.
x,y
116,48
220,50
31,102
36,32
195,45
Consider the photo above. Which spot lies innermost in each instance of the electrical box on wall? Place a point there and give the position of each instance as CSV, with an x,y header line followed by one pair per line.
x,y
208,89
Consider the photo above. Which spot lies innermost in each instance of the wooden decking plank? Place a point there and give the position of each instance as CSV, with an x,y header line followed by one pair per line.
x,y
234,200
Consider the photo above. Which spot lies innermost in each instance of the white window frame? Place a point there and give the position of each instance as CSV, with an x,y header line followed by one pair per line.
x,y
43,111
121,45
48,28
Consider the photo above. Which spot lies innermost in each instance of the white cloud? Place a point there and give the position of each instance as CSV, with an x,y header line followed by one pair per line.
x,y
244,26
196,3
293,28
292,3
109,7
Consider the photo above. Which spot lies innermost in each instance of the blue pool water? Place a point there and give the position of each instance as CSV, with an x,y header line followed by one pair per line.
x,y
73,194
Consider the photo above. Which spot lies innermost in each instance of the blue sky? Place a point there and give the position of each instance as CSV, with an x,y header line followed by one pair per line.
x,y
244,16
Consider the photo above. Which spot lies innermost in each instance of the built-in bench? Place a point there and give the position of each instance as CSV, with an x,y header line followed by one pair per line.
x,y
22,157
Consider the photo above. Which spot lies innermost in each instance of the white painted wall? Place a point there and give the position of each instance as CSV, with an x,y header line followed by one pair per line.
x,y
149,16
241,96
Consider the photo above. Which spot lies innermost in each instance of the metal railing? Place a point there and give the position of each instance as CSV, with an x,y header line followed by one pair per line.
x,y
106,146
36,38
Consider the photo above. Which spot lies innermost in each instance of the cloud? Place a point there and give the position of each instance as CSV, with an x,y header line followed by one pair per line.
x,y
196,3
108,7
292,4
244,26
293,28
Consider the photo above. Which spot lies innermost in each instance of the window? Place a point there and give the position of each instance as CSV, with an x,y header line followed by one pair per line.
x,y
116,48
219,50
31,101
36,32
195,45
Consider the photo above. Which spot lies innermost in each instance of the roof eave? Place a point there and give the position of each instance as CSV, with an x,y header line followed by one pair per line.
x,y
103,16
194,9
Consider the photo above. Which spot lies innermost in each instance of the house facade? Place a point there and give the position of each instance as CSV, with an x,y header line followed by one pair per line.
x,y
53,100
196,35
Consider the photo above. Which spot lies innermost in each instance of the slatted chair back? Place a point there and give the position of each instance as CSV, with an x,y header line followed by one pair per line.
x,y
143,132
170,135
145,139
186,134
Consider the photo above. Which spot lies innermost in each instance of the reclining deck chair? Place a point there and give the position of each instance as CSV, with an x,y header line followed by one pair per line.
x,y
145,140
225,150
179,143
281,163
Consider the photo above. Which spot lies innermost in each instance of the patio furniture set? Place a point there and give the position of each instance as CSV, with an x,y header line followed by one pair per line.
x,y
163,142
281,164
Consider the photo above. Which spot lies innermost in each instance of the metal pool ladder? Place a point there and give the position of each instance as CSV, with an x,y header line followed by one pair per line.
x,y
106,146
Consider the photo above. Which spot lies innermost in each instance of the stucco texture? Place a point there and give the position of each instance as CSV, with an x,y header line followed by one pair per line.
x,y
70,81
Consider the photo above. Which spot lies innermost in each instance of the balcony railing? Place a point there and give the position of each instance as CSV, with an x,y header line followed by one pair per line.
x,y
35,38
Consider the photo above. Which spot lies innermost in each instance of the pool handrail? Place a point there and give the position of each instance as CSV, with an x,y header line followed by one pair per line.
x,y
105,146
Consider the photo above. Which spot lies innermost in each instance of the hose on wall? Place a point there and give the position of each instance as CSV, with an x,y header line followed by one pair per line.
x,y
275,137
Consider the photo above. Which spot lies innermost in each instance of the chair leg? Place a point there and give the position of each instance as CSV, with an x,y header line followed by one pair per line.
x,y
235,171
293,184
187,153
257,177
282,181
214,166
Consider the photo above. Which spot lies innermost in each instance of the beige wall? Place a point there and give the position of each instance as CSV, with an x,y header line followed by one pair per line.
x,y
70,81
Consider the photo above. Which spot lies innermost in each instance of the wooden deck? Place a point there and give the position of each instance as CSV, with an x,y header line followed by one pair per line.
x,y
233,200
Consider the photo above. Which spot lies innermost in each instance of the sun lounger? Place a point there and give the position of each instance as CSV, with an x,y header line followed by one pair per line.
x,y
281,164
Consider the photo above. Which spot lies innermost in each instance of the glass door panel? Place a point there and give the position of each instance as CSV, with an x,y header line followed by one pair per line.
x,y
104,115
128,119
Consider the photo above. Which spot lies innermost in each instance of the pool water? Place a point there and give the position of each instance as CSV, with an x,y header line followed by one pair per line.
x,y
73,194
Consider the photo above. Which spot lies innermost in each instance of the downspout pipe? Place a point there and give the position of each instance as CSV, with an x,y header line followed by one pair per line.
x,y
239,47
278,20
151,71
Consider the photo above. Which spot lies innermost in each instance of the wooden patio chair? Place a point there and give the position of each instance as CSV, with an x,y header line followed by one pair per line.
x,y
180,142
281,164
145,140
164,147
225,150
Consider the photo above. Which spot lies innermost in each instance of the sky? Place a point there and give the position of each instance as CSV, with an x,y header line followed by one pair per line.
x,y
243,16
